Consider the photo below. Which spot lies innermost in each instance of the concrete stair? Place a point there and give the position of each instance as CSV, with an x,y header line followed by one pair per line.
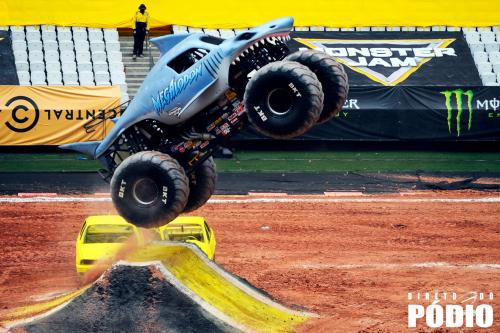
x,y
135,70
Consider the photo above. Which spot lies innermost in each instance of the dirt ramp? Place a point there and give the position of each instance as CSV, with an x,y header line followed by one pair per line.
x,y
130,299
162,287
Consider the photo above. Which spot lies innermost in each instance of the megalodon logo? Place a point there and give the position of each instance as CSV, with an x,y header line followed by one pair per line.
x,y
459,95
386,61
175,88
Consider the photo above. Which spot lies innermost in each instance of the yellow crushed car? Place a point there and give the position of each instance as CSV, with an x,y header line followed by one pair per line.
x,y
101,236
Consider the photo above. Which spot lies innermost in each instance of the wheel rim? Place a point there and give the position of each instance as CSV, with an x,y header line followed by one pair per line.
x,y
279,101
145,191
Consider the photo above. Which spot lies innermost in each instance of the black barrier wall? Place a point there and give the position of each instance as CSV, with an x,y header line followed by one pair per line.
x,y
413,114
396,58
8,73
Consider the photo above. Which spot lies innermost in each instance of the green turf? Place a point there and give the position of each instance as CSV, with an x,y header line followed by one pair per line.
x,y
297,161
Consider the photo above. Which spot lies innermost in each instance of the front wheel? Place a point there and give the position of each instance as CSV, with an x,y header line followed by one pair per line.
x,y
283,99
149,189
201,185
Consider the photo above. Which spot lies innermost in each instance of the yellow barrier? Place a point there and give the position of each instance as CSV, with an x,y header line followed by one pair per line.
x,y
40,115
238,14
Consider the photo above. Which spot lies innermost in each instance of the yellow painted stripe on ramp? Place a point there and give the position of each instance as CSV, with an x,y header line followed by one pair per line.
x,y
211,286
38,308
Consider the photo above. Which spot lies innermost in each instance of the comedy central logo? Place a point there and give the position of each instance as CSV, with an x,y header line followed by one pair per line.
x,y
461,97
25,114
388,62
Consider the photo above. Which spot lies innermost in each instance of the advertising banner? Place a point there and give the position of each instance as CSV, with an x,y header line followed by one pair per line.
x,y
39,115
7,63
406,113
396,58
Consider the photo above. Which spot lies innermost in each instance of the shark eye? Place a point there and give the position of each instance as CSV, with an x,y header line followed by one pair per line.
x,y
245,36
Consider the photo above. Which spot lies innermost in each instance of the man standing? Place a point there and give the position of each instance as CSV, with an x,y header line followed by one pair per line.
x,y
141,29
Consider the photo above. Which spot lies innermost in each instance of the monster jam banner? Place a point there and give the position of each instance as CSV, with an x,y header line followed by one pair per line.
x,y
396,58
412,114
54,115
7,63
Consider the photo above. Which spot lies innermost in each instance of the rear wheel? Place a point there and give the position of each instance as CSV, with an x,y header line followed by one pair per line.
x,y
283,99
332,76
201,185
149,189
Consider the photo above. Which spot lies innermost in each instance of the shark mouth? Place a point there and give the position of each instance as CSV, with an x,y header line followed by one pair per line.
x,y
272,43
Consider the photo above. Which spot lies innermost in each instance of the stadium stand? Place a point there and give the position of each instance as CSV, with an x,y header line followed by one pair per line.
x,y
50,55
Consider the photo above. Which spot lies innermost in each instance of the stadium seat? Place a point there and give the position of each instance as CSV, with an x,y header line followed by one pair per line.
x,y
110,35
51,56
489,79
86,78
484,29
453,29
438,28
49,35
17,33
480,57
79,33
83,56
66,45
379,29
124,98
496,68
498,77
97,46
70,78
64,34
117,78
102,78
21,55
98,56
22,66
123,88
182,29
95,34
82,46
18,45
48,28
224,33
112,46
85,66
68,67
4,28
485,67
115,56
321,28
472,37
38,78
100,67
116,67
37,66
24,77
53,66
492,47
476,47
35,56
33,33
494,57
488,37
50,45
35,45
195,30
54,78
67,56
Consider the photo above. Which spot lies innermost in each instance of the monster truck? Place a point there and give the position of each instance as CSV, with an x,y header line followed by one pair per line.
x,y
202,91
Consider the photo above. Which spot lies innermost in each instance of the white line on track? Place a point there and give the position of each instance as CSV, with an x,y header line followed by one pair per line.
x,y
270,200
418,265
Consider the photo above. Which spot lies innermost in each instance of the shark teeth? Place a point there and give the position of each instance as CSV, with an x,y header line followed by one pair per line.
x,y
273,40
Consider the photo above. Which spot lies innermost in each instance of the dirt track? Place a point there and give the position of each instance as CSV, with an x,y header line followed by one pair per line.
x,y
353,263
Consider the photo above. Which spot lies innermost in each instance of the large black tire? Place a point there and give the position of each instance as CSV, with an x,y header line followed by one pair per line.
x,y
201,185
283,99
332,76
149,189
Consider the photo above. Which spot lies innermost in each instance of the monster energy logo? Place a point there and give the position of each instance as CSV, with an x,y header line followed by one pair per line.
x,y
458,98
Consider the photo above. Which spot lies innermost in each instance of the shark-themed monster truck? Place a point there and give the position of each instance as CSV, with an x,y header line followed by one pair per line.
x,y
202,91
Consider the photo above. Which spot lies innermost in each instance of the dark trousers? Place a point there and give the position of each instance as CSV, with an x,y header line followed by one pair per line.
x,y
140,34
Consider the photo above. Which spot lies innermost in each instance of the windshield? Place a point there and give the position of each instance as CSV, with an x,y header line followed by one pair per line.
x,y
184,232
108,233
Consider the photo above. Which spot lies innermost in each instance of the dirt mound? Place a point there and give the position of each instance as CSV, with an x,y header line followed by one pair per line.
x,y
130,299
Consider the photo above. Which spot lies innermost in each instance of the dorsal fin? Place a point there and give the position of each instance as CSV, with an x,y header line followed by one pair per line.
x,y
165,43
